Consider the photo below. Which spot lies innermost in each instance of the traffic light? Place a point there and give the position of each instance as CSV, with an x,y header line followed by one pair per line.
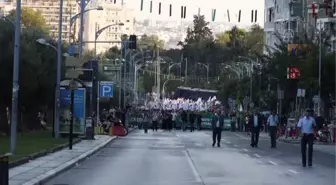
x,y
132,42
293,73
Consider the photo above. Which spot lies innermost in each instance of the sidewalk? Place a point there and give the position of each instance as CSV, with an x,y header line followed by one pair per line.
x,y
44,168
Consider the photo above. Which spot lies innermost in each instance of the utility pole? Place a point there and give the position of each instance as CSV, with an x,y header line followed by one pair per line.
x,y
320,66
81,29
186,72
158,70
16,85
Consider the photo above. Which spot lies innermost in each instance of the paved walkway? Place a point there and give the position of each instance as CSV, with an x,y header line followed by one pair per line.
x,y
44,168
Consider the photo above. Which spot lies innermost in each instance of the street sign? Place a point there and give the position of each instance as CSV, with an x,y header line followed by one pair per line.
x,y
106,89
301,93
316,99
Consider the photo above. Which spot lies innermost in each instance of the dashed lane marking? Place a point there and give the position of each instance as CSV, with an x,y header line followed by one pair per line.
x,y
193,167
257,155
273,163
293,171
245,150
241,137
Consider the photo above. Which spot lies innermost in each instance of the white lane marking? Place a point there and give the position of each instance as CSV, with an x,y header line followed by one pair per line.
x,y
245,150
259,162
228,142
273,163
257,155
193,167
293,171
240,136
235,145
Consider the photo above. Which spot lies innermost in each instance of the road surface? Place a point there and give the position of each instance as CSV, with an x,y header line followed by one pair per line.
x,y
184,158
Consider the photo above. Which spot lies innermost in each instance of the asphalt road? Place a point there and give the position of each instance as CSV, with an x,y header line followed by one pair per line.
x,y
184,158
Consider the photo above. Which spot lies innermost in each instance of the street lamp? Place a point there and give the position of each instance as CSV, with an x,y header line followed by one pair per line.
x,y
98,32
73,18
237,71
207,68
251,72
8,19
175,64
42,41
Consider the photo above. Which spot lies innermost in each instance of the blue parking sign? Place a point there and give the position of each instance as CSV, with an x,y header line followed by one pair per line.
x,y
106,89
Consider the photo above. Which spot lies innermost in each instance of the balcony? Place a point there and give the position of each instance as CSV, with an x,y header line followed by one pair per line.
x,y
269,26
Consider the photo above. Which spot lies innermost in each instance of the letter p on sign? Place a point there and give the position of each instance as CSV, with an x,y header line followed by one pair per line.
x,y
106,89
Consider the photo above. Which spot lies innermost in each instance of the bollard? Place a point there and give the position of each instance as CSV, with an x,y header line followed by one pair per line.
x,y
4,169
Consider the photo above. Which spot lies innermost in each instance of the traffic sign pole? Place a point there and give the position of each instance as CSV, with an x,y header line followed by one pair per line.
x,y
98,99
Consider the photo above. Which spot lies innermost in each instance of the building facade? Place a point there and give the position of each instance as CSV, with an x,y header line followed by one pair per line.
x,y
117,20
50,10
291,18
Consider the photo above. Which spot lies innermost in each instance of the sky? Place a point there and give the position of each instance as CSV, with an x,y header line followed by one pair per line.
x,y
205,6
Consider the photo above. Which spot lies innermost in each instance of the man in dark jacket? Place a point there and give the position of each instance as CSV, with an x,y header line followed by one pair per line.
x,y
255,123
217,127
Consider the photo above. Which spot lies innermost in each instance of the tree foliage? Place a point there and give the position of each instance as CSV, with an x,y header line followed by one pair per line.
x,y
31,19
37,72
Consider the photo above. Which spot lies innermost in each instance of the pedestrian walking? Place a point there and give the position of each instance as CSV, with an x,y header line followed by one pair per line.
x,y
255,123
217,127
306,126
155,121
272,123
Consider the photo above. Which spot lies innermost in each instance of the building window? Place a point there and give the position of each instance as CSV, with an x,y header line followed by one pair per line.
x,y
116,29
127,20
127,28
115,37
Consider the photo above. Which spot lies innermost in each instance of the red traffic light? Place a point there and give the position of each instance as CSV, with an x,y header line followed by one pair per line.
x,y
293,73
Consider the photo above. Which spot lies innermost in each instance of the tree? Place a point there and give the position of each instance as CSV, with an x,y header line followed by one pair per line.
x,y
31,19
37,73
150,42
254,39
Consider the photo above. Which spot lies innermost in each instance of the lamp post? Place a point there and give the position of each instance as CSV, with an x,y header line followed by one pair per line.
x,y
7,19
98,32
175,64
16,66
251,74
237,71
58,80
207,68
73,18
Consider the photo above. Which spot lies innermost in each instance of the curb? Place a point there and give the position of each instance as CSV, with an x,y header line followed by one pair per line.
x,y
50,174
41,154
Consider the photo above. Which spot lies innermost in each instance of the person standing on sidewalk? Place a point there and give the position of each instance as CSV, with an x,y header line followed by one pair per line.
x,y
306,126
272,122
217,127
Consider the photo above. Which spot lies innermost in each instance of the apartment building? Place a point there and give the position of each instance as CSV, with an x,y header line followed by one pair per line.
x,y
290,18
112,16
50,11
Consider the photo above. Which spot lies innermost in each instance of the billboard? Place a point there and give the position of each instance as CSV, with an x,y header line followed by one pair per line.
x,y
79,111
